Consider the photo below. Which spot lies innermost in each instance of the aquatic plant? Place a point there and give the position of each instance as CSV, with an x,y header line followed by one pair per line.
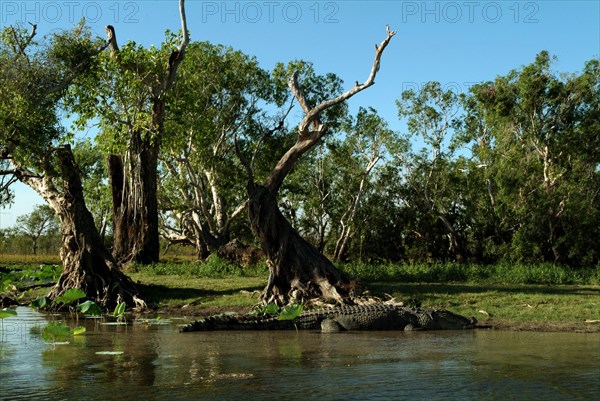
x,y
119,310
89,308
4,313
290,312
70,296
58,331
41,302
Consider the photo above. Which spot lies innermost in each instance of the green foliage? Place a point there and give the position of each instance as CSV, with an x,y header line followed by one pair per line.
x,y
89,308
6,312
42,221
119,310
79,330
41,302
92,164
209,108
71,295
56,331
34,78
500,273
290,312
26,275
212,267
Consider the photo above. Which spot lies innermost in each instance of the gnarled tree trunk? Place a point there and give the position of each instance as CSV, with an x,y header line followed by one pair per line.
x,y
133,181
87,264
297,269
134,176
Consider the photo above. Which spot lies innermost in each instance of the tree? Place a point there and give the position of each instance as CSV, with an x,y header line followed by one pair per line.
x,y
129,98
35,80
307,198
41,221
202,181
537,134
363,148
92,165
297,269
434,174
328,190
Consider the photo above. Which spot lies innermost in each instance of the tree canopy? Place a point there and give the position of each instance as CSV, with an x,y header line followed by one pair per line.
x,y
508,171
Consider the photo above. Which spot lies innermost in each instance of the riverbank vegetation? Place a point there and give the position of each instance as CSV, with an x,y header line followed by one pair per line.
x,y
198,146
500,296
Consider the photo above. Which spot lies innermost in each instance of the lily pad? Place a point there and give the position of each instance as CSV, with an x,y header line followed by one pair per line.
x,y
271,309
40,303
6,312
119,309
79,330
56,331
71,295
290,312
90,308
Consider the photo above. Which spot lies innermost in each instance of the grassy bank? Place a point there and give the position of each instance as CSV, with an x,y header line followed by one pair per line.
x,y
500,273
537,297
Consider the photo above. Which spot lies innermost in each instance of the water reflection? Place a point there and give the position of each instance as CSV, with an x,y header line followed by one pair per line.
x,y
157,362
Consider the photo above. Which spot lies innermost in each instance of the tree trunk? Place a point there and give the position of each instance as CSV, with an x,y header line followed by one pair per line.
x,y
297,269
135,206
134,180
87,264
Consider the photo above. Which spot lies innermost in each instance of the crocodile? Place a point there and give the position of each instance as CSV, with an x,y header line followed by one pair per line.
x,y
343,318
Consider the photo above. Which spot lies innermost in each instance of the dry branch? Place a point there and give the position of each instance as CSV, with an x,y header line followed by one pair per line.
x,y
310,129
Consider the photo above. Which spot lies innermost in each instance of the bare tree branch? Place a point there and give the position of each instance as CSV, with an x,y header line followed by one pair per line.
x,y
308,138
312,116
177,55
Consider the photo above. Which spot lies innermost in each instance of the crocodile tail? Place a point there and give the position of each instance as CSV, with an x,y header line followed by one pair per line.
x,y
213,323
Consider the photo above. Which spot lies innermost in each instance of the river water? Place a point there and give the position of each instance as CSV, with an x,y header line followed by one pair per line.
x,y
151,360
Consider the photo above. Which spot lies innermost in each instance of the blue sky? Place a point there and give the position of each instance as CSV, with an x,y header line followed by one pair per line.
x,y
456,43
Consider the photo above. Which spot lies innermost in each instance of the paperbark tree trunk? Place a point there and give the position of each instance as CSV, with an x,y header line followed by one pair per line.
x,y
87,263
298,271
134,176
133,181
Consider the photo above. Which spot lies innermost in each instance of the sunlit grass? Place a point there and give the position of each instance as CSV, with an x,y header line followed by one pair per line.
x,y
516,306
499,295
499,273
20,259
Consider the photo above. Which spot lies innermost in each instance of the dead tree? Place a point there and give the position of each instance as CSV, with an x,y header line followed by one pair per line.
x,y
297,269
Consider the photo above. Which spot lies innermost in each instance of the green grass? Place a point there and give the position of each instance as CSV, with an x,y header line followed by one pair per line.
x,y
535,297
514,306
501,273
174,291
213,283
212,267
